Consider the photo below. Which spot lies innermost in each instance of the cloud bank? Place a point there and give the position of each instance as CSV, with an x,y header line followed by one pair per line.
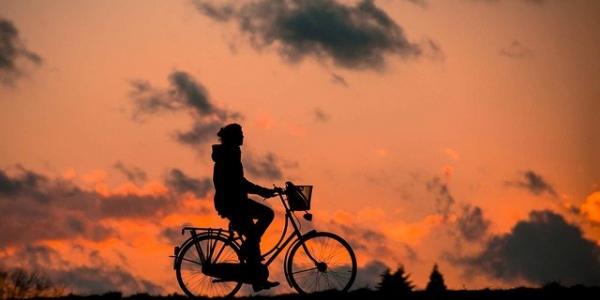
x,y
541,249
35,208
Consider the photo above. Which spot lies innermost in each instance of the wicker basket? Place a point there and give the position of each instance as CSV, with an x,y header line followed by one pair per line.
x,y
298,196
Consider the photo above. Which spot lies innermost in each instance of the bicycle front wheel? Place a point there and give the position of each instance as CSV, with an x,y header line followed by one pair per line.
x,y
207,249
323,261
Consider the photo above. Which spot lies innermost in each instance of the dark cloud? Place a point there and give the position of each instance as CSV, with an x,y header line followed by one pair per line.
x,y
355,37
172,235
542,249
516,50
534,183
96,278
443,199
471,223
338,79
369,275
266,167
222,13
37,257
187,94
321,115
364,237
191,92
134,174
149,100
201,132
13,53
179,182
26,182
184,94
35,207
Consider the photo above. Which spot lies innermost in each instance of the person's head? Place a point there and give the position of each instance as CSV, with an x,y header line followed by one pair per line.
x,y
231,135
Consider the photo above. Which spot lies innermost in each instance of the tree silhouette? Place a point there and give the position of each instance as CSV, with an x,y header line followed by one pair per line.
x,y
396,284
436,285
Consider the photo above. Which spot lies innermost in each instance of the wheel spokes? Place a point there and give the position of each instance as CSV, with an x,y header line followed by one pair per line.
x,y
214,250
336,272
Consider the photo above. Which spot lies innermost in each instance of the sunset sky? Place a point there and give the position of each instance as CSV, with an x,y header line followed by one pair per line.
x,y
460,132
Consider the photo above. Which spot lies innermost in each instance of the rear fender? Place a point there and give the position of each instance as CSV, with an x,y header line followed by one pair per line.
x,y
215,232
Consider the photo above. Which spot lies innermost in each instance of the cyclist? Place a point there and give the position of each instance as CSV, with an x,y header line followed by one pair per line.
x,y
232,202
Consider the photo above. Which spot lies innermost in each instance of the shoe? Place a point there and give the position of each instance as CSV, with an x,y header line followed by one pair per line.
x,y
264,285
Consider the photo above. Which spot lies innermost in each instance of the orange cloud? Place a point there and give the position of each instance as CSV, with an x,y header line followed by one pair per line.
x,y
451,153
413,233
591,207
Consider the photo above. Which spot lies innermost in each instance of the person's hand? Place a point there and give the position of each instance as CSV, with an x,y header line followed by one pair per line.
x,y
268,193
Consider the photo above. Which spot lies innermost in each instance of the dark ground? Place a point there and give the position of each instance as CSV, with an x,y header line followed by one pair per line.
x,y
576,293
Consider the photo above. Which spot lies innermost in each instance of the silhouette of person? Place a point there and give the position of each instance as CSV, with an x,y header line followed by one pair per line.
x,y
231,198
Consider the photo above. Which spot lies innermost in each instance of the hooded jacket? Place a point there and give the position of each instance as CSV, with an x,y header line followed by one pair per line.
x,y
231,188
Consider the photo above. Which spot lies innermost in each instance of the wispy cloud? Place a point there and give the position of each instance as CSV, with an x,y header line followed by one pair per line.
x,y
471,223
184,94
339,79
534,183
266,167
516,50
443,199
320,115
133,174
13,53
179,182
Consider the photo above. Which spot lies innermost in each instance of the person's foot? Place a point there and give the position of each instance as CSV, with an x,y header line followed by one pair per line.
x,y
264,285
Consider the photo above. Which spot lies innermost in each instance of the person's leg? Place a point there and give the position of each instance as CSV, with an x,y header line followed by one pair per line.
x,y
264,216
262,213
242,223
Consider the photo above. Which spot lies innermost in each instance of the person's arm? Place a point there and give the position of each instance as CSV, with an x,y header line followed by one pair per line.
x,y
257,189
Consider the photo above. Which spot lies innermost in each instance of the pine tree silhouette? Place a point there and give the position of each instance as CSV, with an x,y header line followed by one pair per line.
x,y
436,285
396,284
385,285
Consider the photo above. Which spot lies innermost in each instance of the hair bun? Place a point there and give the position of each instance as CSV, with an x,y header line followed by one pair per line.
x,y
221,132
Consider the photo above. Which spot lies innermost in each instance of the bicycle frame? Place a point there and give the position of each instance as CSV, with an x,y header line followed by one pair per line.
x,y
294,237
296,233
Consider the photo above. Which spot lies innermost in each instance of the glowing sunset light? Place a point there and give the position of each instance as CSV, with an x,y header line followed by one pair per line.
x,y
433,132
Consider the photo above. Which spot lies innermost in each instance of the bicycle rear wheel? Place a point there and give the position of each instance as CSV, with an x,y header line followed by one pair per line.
x,y
333,267
188,267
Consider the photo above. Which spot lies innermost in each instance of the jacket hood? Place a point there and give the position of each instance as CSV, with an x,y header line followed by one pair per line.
x,y
220,152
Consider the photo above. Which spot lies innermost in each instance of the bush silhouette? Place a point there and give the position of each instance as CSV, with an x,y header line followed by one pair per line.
x,y
19,284
396,284
436,285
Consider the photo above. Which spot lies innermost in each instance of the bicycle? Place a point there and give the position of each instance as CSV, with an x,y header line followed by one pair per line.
x,y
209,262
